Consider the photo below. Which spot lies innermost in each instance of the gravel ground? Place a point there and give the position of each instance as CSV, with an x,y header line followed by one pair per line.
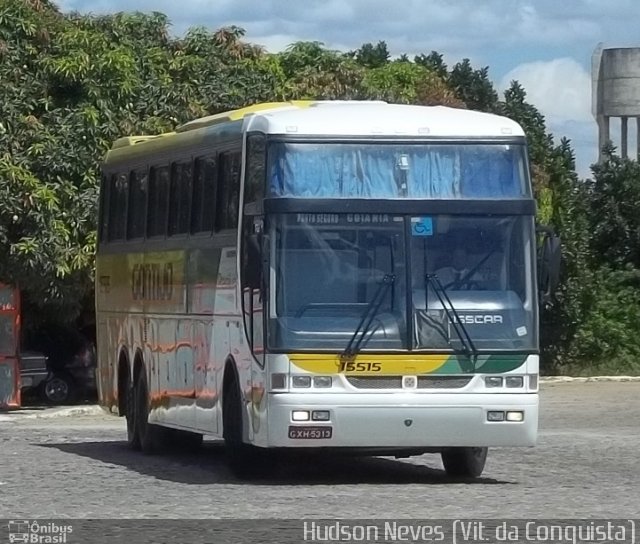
x,y
75,464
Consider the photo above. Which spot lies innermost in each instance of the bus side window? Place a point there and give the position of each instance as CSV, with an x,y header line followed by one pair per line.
x,y
251,281
204,195
138,190
256,168
229,192
104,208
118,206
158,201
180,198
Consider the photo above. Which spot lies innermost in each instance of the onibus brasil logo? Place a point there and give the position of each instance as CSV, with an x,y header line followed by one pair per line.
x,y
34,532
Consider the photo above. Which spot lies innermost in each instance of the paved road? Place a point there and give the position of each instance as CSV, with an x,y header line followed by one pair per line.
x,y
587,464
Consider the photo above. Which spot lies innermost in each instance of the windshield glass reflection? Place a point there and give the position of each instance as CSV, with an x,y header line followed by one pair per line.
x,y
327,271
485,266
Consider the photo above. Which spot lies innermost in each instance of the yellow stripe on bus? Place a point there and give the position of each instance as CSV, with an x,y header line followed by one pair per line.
x,y
243,112
369,365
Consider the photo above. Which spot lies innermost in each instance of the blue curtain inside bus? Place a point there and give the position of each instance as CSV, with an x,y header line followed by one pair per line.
x,y
447,171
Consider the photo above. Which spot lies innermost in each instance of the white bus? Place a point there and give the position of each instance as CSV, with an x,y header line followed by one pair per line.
x,y
339,276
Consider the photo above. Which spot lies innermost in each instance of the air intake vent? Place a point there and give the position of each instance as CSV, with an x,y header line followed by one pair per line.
x,y
376,382
395,382
443,382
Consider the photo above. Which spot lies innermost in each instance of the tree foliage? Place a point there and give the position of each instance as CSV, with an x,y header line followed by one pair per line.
x,y
614,220
373,56
70,84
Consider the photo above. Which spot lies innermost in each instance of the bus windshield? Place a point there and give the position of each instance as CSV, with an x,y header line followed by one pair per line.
x,y
327,268
485,266
398,170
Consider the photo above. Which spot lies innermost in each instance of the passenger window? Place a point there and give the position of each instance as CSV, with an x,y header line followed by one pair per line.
x,y
137,214
118,206
204,195
104,208
180,198
256,168
228,192
158,201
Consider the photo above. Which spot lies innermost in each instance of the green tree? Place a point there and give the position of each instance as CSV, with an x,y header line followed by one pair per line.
x,y
397,81
434,62
313,72
614,220
71,84
471,86
605,268
373,56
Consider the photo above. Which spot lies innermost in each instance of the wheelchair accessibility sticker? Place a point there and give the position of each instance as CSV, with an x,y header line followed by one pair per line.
x,y
421,226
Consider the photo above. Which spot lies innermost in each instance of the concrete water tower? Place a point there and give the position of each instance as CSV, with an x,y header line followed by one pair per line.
x,y
615,76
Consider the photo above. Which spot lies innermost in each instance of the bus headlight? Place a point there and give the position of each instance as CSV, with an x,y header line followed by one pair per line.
x,y
322,382
300,415
514,381
515,416
300,381
493,381
320,415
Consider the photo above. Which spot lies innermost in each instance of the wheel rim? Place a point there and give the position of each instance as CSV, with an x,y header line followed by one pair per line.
x,y
56,390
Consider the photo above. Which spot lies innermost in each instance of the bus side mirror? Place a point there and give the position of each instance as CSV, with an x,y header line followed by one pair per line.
x,y
549,264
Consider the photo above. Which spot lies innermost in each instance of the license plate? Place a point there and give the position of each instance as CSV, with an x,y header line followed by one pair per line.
x,y
310,433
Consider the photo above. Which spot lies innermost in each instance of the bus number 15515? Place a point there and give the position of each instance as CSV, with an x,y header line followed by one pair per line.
x,y
352,366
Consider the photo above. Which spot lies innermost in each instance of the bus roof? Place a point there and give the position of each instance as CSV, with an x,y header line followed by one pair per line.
x,y
371,119
367,119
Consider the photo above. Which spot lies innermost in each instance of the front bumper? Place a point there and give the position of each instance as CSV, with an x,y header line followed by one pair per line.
x,y
405,420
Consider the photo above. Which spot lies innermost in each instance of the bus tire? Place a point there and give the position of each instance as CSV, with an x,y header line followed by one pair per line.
x,y
464,462
133,437
150,435
244,460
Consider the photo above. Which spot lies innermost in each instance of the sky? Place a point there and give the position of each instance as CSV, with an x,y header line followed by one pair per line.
x,y
547,45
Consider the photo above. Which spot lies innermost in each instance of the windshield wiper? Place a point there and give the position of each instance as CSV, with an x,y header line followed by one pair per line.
x,y
452,314
464,279
367,318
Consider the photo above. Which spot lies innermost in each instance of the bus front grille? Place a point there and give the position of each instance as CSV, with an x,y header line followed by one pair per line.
x,y
376,382
395,382
443,382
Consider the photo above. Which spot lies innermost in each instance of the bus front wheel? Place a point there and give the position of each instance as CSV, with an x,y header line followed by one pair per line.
x,y
464,462
244,460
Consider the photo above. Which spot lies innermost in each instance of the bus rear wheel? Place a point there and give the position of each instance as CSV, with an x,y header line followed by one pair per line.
x,y
133,437
244,460
464,462
150,435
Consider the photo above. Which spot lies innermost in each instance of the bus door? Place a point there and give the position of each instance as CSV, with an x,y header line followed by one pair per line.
x,y
9,347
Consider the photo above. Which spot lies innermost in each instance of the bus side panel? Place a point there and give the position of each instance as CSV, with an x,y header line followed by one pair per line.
x,y
226,323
